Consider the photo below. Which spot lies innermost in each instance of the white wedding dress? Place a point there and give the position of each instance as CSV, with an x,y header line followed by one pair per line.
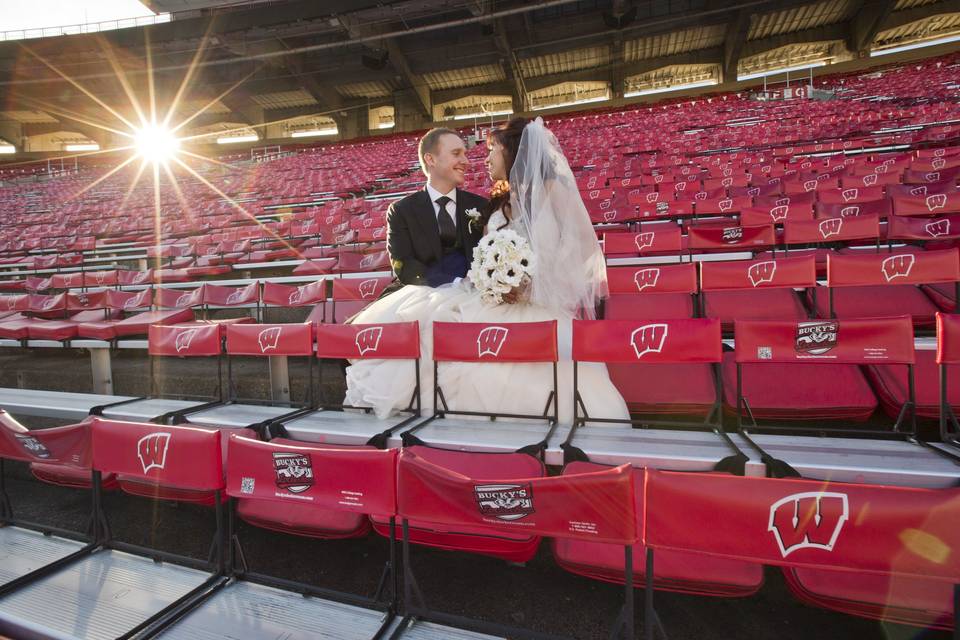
x,y
387,385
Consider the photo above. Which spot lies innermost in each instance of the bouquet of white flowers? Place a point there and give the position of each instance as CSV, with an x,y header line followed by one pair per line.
x,y
502,262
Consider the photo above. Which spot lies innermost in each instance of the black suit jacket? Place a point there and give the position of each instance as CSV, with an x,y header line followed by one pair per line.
x,y
413,236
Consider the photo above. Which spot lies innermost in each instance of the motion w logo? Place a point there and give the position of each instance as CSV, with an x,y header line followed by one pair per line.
x,y
491,340
152,450
649,338
809,520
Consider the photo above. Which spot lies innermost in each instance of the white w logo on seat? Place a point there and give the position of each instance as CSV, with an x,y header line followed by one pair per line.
x,y
491,340
369,339
648,339
268,338
761,272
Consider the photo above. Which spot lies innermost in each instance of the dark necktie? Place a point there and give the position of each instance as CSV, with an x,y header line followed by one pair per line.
x,y
448,230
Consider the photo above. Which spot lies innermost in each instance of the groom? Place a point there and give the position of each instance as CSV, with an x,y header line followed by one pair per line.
x,y
429,234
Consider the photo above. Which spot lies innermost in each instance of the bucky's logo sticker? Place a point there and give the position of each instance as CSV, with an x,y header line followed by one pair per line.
x,y
294,471
732,235
816,338
33,446
810,520
504,501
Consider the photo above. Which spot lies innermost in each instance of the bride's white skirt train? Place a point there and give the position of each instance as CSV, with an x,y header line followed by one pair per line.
x,y
388,385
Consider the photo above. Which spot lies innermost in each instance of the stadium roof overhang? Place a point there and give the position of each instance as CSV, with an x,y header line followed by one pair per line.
x,y
260,63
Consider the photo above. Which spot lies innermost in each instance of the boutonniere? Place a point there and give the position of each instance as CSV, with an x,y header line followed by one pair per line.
x,y
474,216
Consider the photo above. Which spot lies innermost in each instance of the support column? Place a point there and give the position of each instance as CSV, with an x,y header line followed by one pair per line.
x,y
279,379
102,371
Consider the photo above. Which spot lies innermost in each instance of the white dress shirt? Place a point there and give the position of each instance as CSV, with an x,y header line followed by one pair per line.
x,y
451,206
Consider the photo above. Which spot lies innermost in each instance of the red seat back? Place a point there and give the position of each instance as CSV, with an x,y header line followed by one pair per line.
x,y
940,228
758,274
505,342
593,506
192,340
286,296
673,278
231,296
948,338
270,339
893,268
69,445
391,340
346,479
659,239
806,523
359,288
837,229
747,237
867,341
179,298
173,456
129,300
667,341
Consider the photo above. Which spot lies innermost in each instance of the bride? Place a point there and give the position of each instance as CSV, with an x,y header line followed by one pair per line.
x,y
541,203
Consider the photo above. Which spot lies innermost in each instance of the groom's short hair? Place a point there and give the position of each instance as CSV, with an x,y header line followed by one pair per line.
x,y
429,142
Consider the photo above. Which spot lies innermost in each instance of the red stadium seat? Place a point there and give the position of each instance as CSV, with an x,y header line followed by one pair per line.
x,y
436,487
755,290
59,455
789,371
370,474
840,548
874,285
352,295
891,385
692,573
651,292
663,378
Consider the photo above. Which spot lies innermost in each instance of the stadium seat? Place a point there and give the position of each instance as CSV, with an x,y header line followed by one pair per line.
x,y
692,573
332,422
352,295
662,292
436,487
186,458
655,376
755,290
506,447
789,371
854,522
254,340
876,285
891,385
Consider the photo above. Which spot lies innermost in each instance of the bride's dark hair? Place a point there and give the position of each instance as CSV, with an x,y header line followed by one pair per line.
x,y
508,135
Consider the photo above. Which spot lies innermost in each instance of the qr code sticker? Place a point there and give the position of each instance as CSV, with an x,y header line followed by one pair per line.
x,y
764,353
246,485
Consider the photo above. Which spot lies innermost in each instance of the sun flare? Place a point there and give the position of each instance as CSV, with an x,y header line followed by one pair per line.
x,y
155,143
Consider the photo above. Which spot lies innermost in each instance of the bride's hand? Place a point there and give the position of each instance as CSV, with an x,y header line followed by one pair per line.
x,y
518,293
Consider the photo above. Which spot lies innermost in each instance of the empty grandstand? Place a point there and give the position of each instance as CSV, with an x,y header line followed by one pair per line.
x,y
194,206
